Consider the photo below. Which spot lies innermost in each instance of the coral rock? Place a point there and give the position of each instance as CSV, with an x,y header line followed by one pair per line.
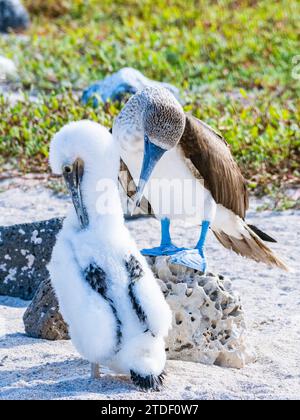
x,y
208,320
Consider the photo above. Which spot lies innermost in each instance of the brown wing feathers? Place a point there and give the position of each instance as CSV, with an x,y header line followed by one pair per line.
x,y
211,160
252,247
211,157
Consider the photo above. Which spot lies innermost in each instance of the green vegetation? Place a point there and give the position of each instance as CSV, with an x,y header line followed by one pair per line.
x,y
232,60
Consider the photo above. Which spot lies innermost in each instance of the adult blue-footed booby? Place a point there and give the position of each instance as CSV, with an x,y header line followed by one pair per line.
x,y
158,138
116,312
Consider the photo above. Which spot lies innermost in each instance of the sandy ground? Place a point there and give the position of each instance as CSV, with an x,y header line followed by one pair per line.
x,y
37,369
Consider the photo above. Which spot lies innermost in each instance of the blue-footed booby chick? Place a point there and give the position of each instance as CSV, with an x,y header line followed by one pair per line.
x,y
115,310
193,175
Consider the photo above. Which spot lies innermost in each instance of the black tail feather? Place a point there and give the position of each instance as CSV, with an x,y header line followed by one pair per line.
x,y
262,235
149,382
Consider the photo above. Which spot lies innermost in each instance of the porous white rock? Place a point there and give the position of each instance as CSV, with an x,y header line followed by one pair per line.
x,y
208,319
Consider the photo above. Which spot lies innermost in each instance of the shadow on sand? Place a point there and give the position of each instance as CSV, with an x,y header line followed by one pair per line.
x,y
66,379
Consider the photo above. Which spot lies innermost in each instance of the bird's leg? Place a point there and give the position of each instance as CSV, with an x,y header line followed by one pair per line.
x,y
95,371
166,246
194,258
165,233
201,243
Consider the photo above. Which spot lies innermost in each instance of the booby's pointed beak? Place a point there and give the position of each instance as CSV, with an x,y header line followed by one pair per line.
x,y
73,175
152,155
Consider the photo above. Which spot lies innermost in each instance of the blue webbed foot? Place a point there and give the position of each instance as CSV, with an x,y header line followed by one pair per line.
x,y
166,246
161,250
192,258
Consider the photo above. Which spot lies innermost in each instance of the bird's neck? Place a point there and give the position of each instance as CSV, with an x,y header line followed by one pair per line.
x,y
102,202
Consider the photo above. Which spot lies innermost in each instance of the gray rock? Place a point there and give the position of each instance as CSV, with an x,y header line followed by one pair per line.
x,y
25,250
8,70
13,16
115,86
42,318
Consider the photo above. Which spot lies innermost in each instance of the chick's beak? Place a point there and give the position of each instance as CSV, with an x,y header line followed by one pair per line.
x,y
73,175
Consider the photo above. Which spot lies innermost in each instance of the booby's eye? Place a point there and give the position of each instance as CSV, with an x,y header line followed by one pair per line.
x,y
67,169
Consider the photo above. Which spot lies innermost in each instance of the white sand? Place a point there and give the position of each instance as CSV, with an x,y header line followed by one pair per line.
x,y
37,369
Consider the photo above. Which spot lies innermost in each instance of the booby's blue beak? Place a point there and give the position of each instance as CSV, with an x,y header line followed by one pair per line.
x,y
152,155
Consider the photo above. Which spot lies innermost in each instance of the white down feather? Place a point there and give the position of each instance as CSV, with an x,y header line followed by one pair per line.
x,y
107,243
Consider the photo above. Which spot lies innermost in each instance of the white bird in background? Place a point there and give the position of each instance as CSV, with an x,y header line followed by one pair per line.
x,y
157,137
116,312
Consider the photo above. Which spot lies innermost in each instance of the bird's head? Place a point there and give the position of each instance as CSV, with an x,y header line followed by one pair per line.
x,y
84,153
163,122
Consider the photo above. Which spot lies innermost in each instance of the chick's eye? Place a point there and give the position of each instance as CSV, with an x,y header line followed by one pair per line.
x,y
68,169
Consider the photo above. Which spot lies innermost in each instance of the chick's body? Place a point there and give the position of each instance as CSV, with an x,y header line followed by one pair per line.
x,y
113,305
